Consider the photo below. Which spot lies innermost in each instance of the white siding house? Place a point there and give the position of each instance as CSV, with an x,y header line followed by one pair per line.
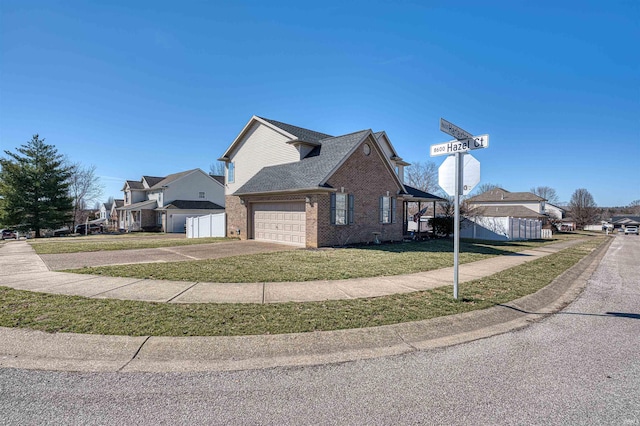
x,y
164,203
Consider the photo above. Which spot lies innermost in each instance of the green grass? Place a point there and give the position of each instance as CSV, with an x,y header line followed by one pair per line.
x,y
114,242
56,313
322,264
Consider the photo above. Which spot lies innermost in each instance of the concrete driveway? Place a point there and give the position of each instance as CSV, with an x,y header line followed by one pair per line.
x,y
57,262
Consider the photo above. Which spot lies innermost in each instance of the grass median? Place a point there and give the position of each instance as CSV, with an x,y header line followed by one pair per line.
x,y
55,313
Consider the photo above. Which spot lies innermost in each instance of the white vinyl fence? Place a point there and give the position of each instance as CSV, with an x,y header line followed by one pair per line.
x,y
212,225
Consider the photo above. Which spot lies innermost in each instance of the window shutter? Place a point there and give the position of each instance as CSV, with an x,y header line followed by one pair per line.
x,y
333,209
381,210
393,210
350,213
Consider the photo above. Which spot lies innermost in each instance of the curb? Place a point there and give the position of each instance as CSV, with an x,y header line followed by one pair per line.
x,y
30,349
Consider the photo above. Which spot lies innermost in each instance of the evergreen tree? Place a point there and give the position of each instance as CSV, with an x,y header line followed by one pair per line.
x,y
34,187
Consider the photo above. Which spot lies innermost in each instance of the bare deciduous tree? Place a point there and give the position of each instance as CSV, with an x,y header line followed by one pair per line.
x,y
583,208
547,193
423,176
634,206
84,189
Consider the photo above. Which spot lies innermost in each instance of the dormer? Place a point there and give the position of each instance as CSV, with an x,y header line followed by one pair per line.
x,y
304,148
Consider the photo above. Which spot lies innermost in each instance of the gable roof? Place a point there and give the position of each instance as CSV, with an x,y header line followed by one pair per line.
x,y
156,182
170,178
625,220
301,133
497,195
152,180
294,133
309,173
133,184
506,211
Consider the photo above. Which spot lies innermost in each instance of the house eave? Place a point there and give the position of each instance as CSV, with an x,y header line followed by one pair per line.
x,y
287,191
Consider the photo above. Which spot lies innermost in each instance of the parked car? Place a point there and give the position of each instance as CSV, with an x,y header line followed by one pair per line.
x,y
93,228
8,234
62,232
631,230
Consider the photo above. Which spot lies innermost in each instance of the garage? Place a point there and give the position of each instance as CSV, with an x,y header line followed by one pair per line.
x,y
177,222
280,222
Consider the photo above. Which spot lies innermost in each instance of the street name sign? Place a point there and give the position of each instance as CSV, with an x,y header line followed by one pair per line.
x,y
459,145
470,174
453,130
458,175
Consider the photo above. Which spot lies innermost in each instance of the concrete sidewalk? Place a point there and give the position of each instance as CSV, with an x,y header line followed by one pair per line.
x,y
21,268
22,348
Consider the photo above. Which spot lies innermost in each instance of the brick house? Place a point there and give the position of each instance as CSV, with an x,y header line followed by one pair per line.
x,y
296,186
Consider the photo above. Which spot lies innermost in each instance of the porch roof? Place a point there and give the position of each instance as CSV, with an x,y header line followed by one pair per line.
x,y
143,205
419,195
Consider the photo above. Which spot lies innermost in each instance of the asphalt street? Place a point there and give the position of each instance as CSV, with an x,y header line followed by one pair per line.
x,y
580,367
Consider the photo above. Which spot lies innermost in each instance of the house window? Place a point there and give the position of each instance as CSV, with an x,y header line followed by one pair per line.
x,y
231,172
201,194
341,209
387,209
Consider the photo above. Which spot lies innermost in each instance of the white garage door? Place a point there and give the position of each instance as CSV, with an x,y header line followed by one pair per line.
x,y
176,222
280,222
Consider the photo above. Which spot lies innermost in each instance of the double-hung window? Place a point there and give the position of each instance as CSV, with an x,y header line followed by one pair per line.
x,y
387,209
341,209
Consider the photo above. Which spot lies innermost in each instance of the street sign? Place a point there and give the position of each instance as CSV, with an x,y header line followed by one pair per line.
x,y
459,145
453,130
458,175
470,174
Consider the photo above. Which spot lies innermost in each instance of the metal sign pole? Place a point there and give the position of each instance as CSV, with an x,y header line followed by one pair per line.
x,y
456,224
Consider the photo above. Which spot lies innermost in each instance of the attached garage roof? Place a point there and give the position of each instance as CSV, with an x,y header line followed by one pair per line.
x,y
193,205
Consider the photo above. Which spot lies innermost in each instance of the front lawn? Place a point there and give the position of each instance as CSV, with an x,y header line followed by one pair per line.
x,y
115,242
56,313
319,264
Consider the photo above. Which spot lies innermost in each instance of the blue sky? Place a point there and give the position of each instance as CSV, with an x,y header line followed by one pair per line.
x,y
157,87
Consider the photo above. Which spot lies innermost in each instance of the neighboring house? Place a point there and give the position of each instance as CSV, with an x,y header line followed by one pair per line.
x,y
622,221
502,215
499,202
116,221
105,211
164,203
297,186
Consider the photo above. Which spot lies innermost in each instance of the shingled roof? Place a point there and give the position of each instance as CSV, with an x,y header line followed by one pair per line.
x,y
507,211
302,134
193,205
309,173
502,195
